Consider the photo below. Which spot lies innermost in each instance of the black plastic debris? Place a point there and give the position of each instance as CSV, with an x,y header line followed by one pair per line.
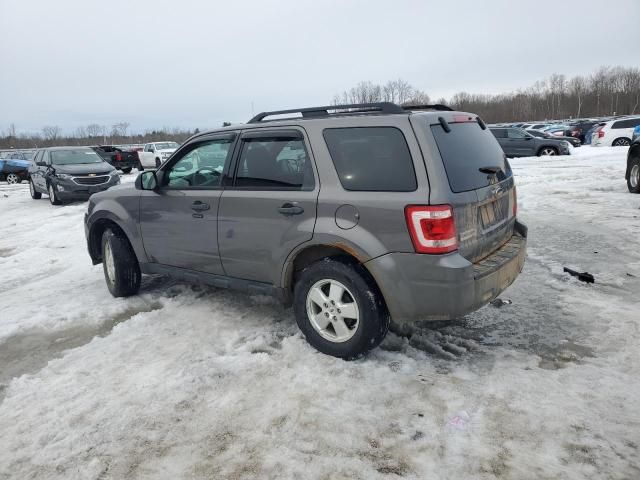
x,y
498,302
582,276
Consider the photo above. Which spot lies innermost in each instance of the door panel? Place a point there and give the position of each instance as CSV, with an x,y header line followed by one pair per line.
x,y
271,207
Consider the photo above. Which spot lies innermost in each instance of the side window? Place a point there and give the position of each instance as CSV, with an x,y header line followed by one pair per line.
x,y
37,157
147,148
619,124
375,159
201,166
45,157
499,132
515,133
274,163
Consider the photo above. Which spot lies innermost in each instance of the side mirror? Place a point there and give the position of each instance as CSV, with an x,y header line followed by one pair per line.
x,y
528,137
41,164
147,181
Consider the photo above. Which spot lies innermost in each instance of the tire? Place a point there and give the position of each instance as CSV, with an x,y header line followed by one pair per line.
x,y
140,167
13,179
547,151
53,197
119,264
332,331
633,182
126,170
36,195
621,142
158,163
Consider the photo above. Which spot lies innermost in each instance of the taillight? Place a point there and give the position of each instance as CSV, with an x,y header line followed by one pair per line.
x,y
118,157
432,228
600,133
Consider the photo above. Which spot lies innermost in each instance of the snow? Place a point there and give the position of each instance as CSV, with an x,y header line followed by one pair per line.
x,y
191,382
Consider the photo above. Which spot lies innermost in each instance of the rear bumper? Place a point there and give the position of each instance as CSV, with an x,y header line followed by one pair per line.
x,y
443,287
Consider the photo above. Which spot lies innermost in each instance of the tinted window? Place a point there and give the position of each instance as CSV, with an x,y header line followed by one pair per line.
x,y
201,167
274,163
371,159
629,123
499,132
466,149
515,133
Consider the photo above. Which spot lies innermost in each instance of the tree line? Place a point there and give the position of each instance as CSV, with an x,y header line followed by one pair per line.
x,y
607,91
92,134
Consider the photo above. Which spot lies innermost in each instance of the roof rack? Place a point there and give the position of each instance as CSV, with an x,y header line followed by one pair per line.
x,y
314,112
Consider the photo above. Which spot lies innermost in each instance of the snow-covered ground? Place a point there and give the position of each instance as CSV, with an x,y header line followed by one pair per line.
x,y
186,382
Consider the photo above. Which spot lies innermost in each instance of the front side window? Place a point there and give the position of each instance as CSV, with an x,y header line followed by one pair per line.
x,y
515,133
201,167
274,163
372,159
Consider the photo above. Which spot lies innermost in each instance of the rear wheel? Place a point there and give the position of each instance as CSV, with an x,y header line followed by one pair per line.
x,y
338,310
547,151
53,195
36,195
120,265
12,178
621,142
158,163
633,182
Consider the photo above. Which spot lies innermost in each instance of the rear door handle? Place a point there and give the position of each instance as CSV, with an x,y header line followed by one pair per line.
x,y
289,208
199,206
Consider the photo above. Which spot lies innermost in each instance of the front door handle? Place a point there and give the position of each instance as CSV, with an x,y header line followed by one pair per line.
x,y
289,208
199,206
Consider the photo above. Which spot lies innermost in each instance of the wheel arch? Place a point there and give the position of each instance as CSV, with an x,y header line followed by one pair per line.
x,y
95,232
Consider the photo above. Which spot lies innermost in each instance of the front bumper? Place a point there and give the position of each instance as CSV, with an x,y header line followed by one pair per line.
x,y
67,189
444,287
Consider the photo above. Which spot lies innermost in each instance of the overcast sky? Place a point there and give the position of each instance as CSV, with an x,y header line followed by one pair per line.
x,y
196,64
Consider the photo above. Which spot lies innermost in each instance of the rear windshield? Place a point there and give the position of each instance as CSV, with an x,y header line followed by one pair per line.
x,y
464,151
72,157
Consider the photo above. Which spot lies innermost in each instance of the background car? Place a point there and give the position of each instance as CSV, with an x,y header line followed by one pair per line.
x,y
615,133
14,170
516,142
572,140
155,153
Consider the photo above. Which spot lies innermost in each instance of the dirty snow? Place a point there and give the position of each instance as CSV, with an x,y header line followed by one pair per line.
x,y
191,382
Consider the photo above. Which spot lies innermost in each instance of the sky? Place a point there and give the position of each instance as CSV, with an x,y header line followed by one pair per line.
x,y
156,63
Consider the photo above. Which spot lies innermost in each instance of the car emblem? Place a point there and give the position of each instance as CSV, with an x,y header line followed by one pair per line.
x,y
92,174
497,190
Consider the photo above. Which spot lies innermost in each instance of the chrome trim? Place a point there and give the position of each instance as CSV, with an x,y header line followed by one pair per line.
x,y
107,176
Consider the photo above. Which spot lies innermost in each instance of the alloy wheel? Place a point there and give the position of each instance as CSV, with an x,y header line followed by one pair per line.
x,y
634,176
548,151
621,142
109,262
332,310
12,178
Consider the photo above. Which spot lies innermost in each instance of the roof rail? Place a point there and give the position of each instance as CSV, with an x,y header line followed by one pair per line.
x,y
314,112
437,106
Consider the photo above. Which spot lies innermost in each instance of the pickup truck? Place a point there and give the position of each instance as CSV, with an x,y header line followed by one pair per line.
x,y
118,157
155,153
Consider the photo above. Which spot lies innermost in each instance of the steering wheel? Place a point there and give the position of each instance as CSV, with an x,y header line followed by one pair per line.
x,y
204,173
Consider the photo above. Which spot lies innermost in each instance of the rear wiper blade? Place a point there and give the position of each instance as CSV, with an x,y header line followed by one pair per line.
x,y
491,169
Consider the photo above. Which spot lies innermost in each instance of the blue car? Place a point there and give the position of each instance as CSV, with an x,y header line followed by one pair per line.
x,y
636,133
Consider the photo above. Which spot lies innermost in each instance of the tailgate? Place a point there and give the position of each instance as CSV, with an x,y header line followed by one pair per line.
x,y
481,187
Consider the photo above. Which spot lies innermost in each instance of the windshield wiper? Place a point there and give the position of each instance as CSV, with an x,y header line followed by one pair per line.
x,y
490,169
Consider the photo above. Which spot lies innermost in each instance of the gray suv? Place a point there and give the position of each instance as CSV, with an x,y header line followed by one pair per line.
x,y
517,142
69,173
357,215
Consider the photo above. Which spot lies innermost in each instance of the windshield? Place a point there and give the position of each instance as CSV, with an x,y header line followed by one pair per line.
x,y
73,157
166,145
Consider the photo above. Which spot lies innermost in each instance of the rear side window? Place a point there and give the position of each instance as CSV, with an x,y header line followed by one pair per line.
x,y
499,132
464,151
629,123
371,159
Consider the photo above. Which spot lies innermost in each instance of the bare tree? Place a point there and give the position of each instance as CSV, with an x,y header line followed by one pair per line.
x,y
51,132
94,130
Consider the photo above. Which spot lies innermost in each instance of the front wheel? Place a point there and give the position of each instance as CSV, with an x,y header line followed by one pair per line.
x,y
339,310
126,170
633,182
120,265
547,151
53,198
36,195
621,142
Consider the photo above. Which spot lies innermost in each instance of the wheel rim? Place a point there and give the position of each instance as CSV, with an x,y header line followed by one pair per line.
x,y
621,142
548,151
52,193
12,178
109,263
634,177
333,310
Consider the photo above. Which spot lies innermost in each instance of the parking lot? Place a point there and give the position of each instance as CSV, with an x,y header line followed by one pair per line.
x,y
187,381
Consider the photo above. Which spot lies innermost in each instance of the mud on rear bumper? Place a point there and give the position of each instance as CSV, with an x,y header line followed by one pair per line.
x,y
443,287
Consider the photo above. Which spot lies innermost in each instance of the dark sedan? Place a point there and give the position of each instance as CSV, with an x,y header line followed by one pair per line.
x,y
516,142
572,140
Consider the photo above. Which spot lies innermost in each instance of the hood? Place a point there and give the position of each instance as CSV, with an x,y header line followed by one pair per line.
x,y
84,168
